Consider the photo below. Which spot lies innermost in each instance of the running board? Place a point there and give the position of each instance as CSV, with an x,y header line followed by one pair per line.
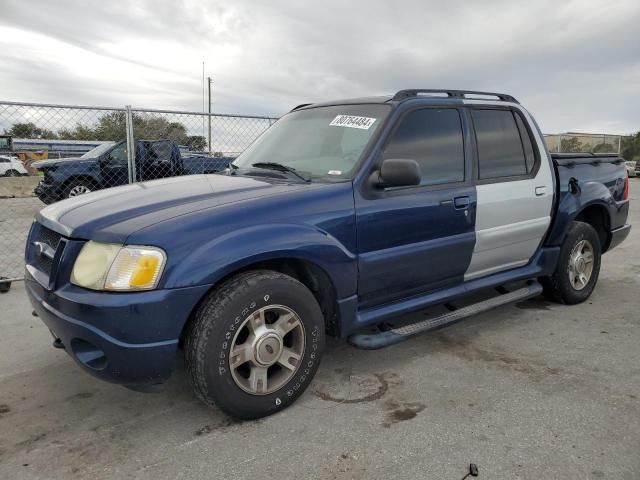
x,y
373,341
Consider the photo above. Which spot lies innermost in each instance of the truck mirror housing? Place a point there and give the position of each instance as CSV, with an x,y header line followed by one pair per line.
x,y
400,172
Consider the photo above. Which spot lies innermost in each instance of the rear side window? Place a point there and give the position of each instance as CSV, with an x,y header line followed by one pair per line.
x,y
527,145
433,138
501,150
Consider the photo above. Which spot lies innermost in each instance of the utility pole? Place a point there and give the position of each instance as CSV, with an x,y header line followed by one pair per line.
x,y
209,84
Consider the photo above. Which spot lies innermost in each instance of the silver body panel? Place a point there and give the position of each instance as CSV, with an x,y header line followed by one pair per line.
x,y
512,217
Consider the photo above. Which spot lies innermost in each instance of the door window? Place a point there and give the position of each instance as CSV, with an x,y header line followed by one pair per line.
x,y
502,151
433,138
118,156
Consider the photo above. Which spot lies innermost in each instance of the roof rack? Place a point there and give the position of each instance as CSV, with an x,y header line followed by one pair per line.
x,y
404,94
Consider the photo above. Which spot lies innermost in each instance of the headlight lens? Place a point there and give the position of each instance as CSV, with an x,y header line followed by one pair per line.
x,y
104,266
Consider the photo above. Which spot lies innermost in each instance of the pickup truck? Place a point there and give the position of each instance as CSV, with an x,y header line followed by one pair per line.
x,y
339,219
107,166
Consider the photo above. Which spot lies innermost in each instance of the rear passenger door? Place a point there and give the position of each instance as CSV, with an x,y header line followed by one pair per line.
x,y
417,239
514,188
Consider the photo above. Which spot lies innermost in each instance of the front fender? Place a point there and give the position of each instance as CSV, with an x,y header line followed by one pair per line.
x,y
215,259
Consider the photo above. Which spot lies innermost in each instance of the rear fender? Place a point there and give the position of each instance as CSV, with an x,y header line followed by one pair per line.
x,y
572,204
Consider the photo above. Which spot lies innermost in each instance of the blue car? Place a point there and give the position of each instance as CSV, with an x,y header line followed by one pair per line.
x,y
107,166
340,218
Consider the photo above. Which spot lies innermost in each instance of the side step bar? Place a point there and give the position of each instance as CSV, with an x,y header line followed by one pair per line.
x,y
373,341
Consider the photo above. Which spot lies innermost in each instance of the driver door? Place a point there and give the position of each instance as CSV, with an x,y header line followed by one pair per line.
x,y
114,166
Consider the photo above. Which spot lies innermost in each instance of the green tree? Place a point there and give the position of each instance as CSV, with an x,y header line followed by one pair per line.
x,y
196,143
571,145
29,130
604,147
630,147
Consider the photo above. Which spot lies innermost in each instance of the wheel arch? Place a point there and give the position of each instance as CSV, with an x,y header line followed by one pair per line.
x,y
310,274
80,176
597,215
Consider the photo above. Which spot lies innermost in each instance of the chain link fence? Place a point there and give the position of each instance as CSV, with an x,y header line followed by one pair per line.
x,y
52,152
583,143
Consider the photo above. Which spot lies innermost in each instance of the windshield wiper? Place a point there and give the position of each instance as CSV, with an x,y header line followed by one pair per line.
x,y
282,168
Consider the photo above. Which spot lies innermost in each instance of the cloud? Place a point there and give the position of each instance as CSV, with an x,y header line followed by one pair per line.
x,y
574,65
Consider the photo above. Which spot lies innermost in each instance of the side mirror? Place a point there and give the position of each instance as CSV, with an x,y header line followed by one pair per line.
x,y
400,172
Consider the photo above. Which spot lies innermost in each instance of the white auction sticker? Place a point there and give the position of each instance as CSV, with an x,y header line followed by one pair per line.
x,y
352,121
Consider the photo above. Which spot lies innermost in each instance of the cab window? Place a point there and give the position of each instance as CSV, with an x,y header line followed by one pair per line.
x,y
433,138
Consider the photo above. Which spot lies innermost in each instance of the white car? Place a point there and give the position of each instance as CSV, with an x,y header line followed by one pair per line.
x,y
11,167
631,168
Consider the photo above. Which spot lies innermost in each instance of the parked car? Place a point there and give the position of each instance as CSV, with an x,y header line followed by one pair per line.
x,y
107,166
338,219
632,168
11,167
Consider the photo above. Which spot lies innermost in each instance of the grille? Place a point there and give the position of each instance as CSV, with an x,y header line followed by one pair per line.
x,y
47,236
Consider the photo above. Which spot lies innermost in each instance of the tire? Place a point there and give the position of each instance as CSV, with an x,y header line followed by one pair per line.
x,y
78,187
12,173
230,318
564,286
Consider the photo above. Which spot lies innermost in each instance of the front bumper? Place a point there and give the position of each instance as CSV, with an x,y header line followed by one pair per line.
x,y
46,192
124,338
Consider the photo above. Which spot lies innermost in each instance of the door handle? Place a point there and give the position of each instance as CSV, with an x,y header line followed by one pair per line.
x,y
541,191
461,203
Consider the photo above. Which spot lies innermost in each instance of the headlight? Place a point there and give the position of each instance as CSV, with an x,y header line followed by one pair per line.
x,y
105,266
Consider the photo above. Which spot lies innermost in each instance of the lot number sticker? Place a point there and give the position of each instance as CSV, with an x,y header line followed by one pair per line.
x,y
351,121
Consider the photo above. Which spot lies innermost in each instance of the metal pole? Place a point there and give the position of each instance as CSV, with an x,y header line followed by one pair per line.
x,y
131,145
209,83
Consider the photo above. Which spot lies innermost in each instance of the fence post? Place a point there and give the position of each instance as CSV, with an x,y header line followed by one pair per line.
x,y
131,145
209,138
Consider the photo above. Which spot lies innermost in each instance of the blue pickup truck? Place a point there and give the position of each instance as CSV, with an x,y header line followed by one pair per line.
x,y
339,219
107,166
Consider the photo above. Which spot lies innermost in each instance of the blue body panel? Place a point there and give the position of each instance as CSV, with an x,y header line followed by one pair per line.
x,y
385,253
600,185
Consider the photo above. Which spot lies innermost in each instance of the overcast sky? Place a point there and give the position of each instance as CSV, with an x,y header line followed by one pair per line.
x,y
574,65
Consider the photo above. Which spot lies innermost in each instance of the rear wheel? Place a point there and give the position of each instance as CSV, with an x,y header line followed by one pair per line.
x,y
255,344
12,173
578,266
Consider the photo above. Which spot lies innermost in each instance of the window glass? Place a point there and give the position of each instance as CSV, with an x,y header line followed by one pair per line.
x,y
322,142
527,144
433,138
119,154
500,152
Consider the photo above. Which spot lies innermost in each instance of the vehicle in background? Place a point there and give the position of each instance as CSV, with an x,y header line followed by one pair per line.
x,y
633,168
6,144
11,167
107,166
341,218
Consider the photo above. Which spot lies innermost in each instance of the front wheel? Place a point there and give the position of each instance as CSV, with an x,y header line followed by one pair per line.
x,y
578,267
12,173
255,344
78,187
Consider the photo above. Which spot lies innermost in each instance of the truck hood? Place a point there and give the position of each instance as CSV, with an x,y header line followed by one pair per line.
x,y
44,164
113,214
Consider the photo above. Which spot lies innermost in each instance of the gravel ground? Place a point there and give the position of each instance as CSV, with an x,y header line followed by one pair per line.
x,y
534,390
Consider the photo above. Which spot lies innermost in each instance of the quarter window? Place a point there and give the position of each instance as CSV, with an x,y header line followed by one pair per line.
x,y
504,145
433,138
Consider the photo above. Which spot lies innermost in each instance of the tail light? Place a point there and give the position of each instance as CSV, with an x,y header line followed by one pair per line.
x,y
626,187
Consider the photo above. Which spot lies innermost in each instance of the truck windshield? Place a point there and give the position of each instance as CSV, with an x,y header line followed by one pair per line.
x,y
99,150
321,143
